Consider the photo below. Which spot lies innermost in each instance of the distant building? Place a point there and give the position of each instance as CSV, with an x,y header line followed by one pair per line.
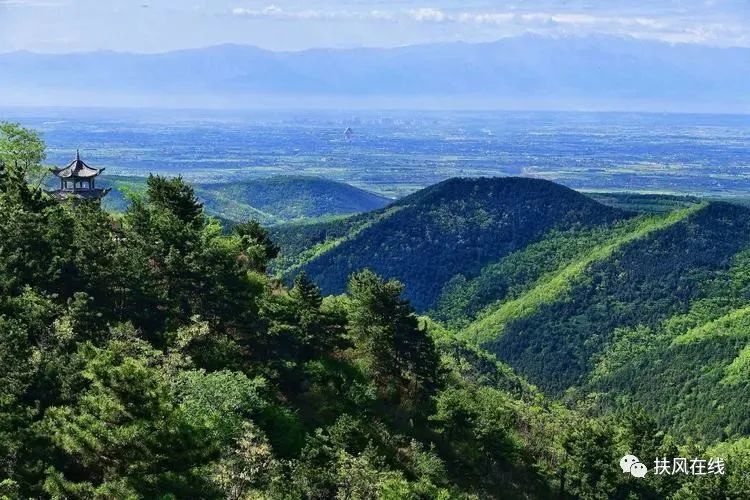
x,y
78,181
349,134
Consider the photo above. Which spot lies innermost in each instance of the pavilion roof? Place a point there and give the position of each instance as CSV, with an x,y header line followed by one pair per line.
x,y
77,169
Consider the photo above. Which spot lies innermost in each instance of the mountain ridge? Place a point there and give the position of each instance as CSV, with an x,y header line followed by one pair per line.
x,y
456,226
597,310
531,72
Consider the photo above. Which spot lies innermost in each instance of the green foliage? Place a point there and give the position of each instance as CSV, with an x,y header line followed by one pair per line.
x,y
258,247
151,356
248,468
557,285
22,151
271,200
463,299
707,402
456,227
735,323
287,198
590,453
174,196
303,243
125,432
220,402
646,203
399,355
480,423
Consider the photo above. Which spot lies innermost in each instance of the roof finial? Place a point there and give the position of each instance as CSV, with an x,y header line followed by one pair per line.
x,y
78,154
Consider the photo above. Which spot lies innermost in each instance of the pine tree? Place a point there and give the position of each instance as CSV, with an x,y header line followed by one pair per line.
x,y
258,249
126,431
401,355
176,196
305,292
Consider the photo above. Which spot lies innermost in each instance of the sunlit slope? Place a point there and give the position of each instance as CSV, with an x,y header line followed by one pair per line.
x,y
536,273
692,370
559,283
456,227
656,313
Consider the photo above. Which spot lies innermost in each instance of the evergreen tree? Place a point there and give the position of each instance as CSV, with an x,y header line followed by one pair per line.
x,y
125,434
151,356
401,356
175,196
590,470
305,292
258,249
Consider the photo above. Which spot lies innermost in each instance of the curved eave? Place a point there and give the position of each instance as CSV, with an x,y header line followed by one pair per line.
x,y
77,169
65,173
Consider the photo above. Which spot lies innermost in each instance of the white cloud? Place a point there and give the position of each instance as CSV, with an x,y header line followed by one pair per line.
x,y
275,12
429,15
529,18
497,18
381,15
669,28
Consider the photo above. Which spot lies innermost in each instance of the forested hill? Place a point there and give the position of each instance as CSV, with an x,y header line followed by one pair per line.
x,y
149,355
270,200
455,227
582,299
286,198
653,311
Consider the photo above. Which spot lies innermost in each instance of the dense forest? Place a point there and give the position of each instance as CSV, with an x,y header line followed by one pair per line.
x,y
651,314
584,307
150,354
457,226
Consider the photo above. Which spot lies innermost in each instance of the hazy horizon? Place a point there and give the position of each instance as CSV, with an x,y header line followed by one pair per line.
x,y
544,55
582,73
63,26
188,112
526,35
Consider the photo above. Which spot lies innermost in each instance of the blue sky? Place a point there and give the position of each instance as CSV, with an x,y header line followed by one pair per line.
x,y
160,25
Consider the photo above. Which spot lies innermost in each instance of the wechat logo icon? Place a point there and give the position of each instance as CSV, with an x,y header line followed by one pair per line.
x,y
631,465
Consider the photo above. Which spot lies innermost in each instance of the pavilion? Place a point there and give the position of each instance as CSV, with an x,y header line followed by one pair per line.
x,y
78,181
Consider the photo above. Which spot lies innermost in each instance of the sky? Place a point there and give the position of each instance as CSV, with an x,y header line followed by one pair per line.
x,y
60,26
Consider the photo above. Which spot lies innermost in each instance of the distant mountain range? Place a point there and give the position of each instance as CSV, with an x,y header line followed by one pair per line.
x,y
596,72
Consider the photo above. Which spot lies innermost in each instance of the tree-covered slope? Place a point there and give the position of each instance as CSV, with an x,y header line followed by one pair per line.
x,y
653,312
287,198
455,227
150,355
583,308
271,200
696,361
644,202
